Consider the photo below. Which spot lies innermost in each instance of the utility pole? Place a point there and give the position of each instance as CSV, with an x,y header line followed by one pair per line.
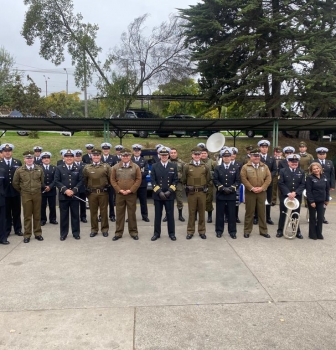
x,y
142,68
46,84
67,81
86,114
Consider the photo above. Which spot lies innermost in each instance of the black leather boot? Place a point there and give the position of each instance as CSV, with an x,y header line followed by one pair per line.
x,y
209,217
181,218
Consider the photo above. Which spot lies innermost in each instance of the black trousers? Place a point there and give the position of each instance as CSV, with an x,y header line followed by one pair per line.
x,y
13,214
228,207
169,206
51,201
82,205
142,195
316,216
111,198
3,234
64,207
282,217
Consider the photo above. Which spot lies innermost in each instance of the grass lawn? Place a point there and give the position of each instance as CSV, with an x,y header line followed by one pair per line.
x,y
55,142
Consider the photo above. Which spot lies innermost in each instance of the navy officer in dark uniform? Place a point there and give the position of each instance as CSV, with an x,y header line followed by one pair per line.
x,y
283,163
328,169
117,155
69,179
142,190
48,190
291,184
37,155
226,179
110,160
81,194
3,234
12,196
164,178
87,157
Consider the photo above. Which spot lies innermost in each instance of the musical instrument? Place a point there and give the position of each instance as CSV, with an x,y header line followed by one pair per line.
x,y
292,219
215,142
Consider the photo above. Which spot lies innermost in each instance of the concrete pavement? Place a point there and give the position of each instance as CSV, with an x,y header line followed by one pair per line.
x,y
251,293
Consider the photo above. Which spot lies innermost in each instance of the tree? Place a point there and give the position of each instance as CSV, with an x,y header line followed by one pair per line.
x,y
264,55
63,104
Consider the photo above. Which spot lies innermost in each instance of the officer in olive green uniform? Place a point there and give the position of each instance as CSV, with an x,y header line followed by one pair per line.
x,y
248,149
306,158
275,190
256,177
126,179
209,195
196,177
96,180
29,180
179,188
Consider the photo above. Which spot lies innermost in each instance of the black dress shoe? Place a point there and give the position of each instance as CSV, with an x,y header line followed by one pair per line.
x,y
54,222
165,219
233,236
219,235
154,238
26,240
62,238
203,236
299,235
318,237
19,233
136,238
77,237
238,221
266,235
145,218
246,235
173,238
279,234
112,218
4,242
181,218
105,234
209,220
255,221
39,238
269,221
126,220
115,238
325,221
93,234
189,237
272,204
314,238
43,223
84,220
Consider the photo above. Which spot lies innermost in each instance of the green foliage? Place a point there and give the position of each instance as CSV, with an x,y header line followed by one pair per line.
x,y
65,105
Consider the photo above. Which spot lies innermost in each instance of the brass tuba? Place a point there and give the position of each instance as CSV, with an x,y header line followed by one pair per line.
x,y
292,219
214,144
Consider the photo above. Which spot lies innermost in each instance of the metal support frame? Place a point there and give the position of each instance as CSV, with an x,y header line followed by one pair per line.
x,y
106,131
275,133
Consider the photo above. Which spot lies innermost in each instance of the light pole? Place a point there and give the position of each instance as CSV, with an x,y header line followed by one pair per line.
x,y
46,84
142,67
67,81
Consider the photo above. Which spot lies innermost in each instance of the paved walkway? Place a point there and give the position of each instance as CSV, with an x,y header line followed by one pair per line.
x,y
211,294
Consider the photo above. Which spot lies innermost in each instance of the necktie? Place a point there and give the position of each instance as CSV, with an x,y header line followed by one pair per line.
x,y
47,167
125,165
69,167
137,159
8,164
226,167
322,162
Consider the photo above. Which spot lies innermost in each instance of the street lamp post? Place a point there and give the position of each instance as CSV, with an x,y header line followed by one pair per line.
x,y
67,81
46,84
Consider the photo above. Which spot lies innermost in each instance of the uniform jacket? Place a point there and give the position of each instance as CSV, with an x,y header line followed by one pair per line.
x,y
29,181
305,161
237,164
328,171
116,160
251,177
164,179
38,160
291,182
110,160
317,188
277,163
125,178
81,165
143,165
2,187
86,159
196,176
66,179
60,162
97,176
10,191
179,164
283,164
226,178
49,180
270,162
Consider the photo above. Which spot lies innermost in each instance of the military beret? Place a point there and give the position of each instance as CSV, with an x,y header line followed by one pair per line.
x,y
89,146
7,147
322,150
164,151
289,149
37,148
263,143
105,145
69,152
28,154
96,151
293,158
302,144
118,147
126,152
45,155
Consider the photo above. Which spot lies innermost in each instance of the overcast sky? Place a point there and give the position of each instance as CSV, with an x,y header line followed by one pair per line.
x,y
112,17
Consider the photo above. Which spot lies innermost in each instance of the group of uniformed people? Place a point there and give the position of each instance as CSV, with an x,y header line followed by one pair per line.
x,y
117,180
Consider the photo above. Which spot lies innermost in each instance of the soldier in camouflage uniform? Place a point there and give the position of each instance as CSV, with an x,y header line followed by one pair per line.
x,y
179,188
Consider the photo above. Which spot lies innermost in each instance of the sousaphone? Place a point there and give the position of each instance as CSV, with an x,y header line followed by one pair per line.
x,y
215,142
